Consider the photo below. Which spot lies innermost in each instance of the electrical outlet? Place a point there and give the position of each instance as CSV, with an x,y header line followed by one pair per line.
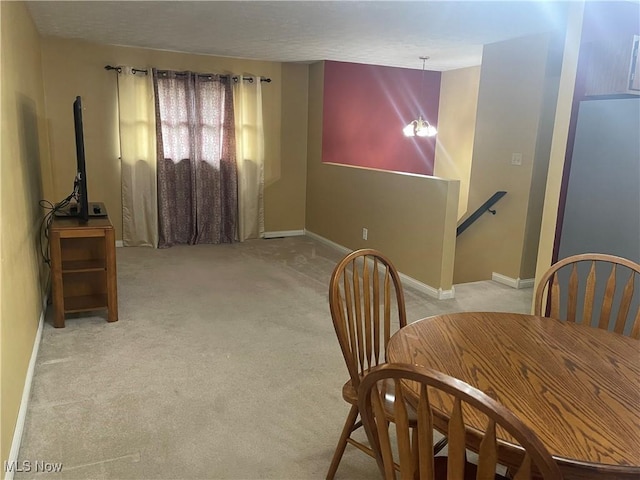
x,y
516,159
365,233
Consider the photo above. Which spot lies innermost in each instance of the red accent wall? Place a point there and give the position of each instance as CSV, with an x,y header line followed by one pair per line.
x,y
365,108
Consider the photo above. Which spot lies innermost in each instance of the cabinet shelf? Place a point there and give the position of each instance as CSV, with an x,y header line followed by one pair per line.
x,y
84,303
75,266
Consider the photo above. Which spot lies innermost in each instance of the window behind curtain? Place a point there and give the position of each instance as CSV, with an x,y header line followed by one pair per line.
x,y
197,185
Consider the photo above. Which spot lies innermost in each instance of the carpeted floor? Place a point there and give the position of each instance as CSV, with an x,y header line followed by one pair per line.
x,y
223,365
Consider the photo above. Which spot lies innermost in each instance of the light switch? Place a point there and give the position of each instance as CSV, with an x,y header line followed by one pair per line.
x,y
516,159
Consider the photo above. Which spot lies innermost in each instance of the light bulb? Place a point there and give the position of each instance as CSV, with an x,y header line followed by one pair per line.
x,y
422,131
431,131
409,130
425,129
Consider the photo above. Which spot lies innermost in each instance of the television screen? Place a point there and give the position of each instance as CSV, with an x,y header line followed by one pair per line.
x,y
81,172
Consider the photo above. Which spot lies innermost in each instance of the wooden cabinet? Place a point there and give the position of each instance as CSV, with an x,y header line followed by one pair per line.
x,y
83,267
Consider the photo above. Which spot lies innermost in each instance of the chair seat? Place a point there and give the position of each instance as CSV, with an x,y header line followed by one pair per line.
x,y
350,395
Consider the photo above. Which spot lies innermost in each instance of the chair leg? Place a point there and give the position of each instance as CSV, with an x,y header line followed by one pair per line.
x,y
342,443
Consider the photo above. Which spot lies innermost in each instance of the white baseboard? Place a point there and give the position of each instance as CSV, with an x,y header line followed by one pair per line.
x,y
438,293
512,282
526,282
26,393
119,243
328,242
284,233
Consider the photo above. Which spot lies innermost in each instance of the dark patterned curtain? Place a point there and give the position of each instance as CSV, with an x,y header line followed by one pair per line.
x,y
197,183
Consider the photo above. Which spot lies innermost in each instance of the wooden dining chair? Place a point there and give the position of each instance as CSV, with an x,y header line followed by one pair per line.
x,y
416,385
367,303
581,287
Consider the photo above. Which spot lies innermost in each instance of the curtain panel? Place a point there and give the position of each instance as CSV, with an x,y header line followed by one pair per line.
x,y
249,130
137,128
196,155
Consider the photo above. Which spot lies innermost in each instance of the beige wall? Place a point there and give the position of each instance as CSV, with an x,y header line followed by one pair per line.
x,y
25,178
456,128
412,218
559,139
541,163
285,194
510,105
74,67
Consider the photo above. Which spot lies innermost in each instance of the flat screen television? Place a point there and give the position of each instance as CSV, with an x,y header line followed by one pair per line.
x,y
80,184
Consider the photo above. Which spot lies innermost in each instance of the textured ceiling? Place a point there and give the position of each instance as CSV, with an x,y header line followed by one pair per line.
x,y
393,33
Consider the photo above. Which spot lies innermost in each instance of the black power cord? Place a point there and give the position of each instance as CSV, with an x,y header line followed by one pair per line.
x,y
52,209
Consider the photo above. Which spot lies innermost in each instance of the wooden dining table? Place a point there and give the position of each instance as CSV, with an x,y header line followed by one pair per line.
x,y
576,386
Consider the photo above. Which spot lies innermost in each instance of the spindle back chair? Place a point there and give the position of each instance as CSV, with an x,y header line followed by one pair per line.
x,y
415,385
592,289
367,304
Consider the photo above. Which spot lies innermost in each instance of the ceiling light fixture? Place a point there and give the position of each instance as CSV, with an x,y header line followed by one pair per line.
x,y
420,127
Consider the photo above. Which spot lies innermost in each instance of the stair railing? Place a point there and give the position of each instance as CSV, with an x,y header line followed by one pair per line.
x,y
485,207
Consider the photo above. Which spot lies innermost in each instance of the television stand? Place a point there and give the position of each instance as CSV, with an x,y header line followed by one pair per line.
x,y
83,267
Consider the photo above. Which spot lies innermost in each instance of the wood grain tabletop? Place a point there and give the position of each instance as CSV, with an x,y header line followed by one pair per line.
x,y
577,387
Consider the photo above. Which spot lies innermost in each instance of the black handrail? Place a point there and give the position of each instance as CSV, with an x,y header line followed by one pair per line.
x,y
485,207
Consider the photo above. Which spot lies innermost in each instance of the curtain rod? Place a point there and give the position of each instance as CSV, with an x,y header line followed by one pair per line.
x,y
146,72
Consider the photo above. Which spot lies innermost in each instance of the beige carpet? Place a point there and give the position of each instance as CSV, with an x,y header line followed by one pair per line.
x,y
224,364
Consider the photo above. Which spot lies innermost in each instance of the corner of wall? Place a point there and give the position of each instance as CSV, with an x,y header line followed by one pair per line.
x,y
449,237
559,139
